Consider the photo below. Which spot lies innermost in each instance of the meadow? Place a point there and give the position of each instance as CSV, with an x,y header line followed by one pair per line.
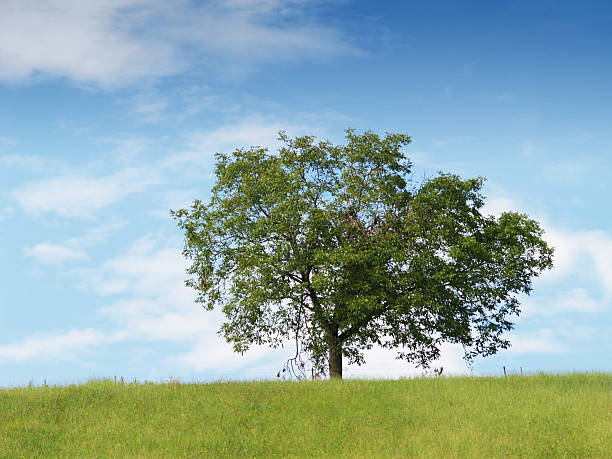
x,y
536,416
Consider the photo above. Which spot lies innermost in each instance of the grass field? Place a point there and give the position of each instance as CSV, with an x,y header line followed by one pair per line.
x,y
535,416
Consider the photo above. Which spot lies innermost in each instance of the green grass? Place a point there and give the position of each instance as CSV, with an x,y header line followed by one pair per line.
x,y
535,416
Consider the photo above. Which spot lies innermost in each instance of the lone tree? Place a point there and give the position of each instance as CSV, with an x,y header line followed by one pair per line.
x,y
335,247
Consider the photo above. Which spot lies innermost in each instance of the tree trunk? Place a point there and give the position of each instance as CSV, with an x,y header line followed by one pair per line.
x,y
335,356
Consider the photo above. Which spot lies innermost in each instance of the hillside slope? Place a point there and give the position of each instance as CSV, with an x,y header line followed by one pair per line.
x,y
536,416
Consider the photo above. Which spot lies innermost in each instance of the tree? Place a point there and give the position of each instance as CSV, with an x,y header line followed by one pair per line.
x,y
337,248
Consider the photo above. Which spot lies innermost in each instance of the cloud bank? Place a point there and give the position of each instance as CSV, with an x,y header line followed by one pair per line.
x,y
79,196
118,42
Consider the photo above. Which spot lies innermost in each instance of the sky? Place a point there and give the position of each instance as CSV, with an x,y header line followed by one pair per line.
x,y
111,112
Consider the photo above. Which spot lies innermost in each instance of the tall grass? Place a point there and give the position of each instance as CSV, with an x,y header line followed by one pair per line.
x,y
536,416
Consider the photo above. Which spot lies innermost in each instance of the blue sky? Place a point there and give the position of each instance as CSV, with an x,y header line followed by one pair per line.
x,y
111,111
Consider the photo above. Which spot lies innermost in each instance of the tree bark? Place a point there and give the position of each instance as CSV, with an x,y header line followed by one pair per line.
x,y
335,356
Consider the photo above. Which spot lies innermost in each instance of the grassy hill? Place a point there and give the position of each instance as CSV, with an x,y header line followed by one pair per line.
x,y
536,416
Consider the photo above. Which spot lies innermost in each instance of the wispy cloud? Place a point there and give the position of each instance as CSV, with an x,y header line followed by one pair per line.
x,y
73,249
54,346
155,105
54,254
210,354
584,257
116,42
126,149
565,300
261,31
582,254
246,132
496,205
571,171
6,212
258,7
150,274
579,300
155,305
544,341
149,269
149,108
28,162
81,196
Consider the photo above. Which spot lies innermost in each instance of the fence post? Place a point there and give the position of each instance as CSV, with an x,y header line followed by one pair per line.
x,y
505,371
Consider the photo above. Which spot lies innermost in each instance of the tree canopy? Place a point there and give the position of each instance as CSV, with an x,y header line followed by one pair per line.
x,y
336,248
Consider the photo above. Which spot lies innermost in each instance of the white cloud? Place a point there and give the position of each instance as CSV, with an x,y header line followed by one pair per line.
x,y
381,363
582,254
261,6
583,258
212,354
47,253
173,199
82,196
6,212
149,270
149,109
250,131
93,279
96,234
543,341
114,42
253,37
565,300
569,171
420,157
499,204
155,303
58,346
182,102
86,41
144,272
73,248
29,162
578,254
579,300
126,149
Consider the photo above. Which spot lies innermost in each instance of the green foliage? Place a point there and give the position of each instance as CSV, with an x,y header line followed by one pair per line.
x,y
531,416
336,248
